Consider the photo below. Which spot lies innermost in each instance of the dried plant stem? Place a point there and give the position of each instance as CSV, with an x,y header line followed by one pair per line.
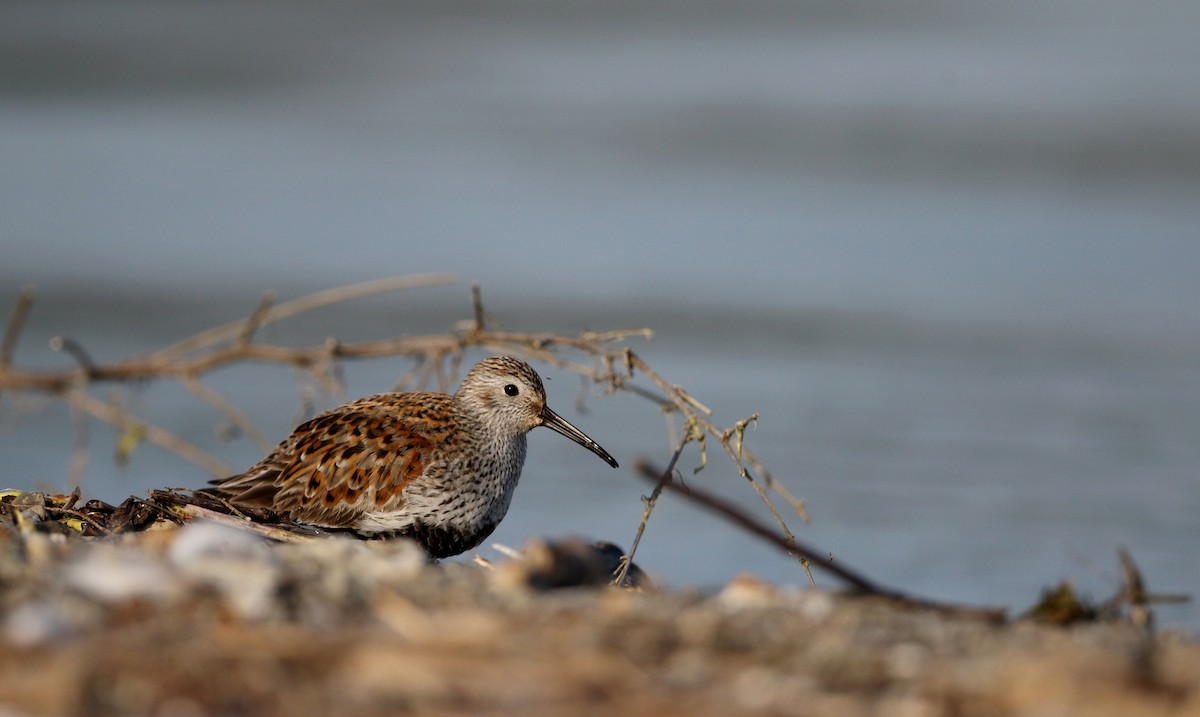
x,y
232,412
337,295
649,502
16,321
256,319
859,582
698,425
79,449
159,436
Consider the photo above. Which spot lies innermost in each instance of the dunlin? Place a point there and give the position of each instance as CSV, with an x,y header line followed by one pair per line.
x,y
435,467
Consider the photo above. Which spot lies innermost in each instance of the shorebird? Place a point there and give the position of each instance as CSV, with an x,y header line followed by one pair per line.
x,y
438,468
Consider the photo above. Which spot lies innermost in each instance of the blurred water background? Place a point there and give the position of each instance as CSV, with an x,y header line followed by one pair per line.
x,y
948,251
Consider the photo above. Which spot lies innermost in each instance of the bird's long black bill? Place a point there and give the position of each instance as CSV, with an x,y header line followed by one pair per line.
x,y
550,419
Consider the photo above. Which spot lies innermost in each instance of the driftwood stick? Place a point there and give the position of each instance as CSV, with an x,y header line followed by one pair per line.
x,y
856,580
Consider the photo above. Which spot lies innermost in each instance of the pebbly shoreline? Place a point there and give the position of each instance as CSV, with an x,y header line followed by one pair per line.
x,y
209,619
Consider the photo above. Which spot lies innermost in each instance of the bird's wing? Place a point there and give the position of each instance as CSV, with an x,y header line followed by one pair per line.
x,y
355,459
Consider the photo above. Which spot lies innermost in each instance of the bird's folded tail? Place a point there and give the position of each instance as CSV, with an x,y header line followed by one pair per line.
x,y
254,487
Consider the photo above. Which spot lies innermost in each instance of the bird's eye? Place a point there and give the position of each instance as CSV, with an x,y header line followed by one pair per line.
x,y
511,389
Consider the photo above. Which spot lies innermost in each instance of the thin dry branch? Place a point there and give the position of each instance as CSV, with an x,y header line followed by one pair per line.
x,y
256,319
68,345
649,501
232,412
856,580
288,309
159,436
16,321
79,448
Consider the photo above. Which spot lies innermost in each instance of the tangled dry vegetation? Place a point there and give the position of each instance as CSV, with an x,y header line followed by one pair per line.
x,y
599,357
141,609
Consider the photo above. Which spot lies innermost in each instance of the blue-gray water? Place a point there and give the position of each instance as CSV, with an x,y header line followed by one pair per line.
x,y
948,252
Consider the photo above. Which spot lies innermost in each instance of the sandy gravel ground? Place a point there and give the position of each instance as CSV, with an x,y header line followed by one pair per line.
x,y
212,620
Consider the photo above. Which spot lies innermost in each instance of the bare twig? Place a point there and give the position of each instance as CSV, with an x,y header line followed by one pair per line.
x,y
256,319
158,436
79,449
66,344
697,424
649,502
16,321
477,304
159,365
302,304
1135,595
859,582
232,412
